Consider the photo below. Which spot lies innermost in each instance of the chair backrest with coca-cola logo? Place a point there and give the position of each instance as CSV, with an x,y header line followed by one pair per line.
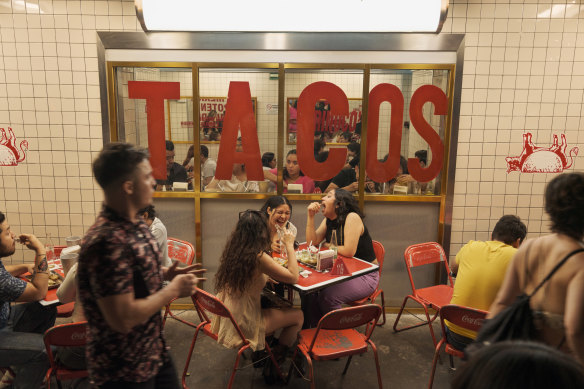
x,y
351,317
467,318
180,250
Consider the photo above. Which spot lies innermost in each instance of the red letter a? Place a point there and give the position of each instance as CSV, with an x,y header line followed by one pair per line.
x,y
239,116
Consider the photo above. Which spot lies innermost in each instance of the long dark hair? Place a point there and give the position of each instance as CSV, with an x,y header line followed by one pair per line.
x,y
285,172
267,157
564,202
274,202
345,203
240,260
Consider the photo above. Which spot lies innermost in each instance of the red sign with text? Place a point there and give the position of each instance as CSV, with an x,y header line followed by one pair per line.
x,y
239,120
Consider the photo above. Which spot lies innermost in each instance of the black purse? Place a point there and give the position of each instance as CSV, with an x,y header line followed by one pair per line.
x,y
514,322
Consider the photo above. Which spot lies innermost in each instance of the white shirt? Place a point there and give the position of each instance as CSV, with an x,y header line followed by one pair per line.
x,y
159,231
208,168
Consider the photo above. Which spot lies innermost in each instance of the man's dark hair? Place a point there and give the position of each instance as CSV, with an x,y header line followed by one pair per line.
x,y
564,202
354,147
169,145
117,162
267,157
322,156
319,144
422,155
508,229
204,151
2,218
149,211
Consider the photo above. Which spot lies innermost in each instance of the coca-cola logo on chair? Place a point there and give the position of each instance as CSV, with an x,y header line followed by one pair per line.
x,y
9,154
534,159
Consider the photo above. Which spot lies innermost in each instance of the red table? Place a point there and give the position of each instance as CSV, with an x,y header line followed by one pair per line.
x,y
320,280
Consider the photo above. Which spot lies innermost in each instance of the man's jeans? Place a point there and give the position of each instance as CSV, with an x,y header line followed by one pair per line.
x,y
21,343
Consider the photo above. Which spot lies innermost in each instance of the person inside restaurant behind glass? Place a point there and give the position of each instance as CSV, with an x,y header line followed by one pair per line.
x,y
341,214
292,174
347,179
120,279
158,229
559,306
175,172
22,326
244,269
238,181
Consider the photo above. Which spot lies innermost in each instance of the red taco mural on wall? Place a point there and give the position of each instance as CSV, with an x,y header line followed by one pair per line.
x,y
9,154
534,159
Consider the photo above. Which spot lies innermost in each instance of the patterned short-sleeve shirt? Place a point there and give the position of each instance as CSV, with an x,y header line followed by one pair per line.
x,y
117,257
11,288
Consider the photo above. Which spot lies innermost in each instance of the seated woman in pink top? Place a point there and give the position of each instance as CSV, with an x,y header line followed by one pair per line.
x,y
293,174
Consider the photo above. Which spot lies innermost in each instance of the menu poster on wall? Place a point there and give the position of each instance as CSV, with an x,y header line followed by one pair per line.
x,y
211,116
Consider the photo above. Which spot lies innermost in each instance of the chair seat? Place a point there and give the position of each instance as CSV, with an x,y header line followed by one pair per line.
x,y
66,374
437,296
453,351
65,310
333,344
207,330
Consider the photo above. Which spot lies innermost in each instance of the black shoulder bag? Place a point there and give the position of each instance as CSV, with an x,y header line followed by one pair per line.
x,y
514,322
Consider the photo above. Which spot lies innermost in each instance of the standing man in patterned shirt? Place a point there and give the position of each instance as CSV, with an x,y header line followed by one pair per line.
x,y
22,326
120,279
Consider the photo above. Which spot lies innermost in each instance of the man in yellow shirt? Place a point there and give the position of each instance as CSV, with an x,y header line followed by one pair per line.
x,y
480,268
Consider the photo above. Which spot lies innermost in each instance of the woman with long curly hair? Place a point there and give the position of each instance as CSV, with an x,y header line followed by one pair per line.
x,y
342,215
559,306
244,269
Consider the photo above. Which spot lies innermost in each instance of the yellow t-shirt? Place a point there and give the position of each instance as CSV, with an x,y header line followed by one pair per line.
x,y
481,269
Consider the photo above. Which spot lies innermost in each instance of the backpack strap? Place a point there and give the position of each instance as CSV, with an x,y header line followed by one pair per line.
x,y
555,269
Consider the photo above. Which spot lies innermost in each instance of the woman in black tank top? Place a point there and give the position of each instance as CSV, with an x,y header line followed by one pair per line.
x,y
342,214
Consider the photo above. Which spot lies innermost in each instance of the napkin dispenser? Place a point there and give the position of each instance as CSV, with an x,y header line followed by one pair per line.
x,y
180,186
325,260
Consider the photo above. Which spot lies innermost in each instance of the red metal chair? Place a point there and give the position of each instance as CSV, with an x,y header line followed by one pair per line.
x,y
433,297
336,337
467,318
379,254
206,302
64,335
184,252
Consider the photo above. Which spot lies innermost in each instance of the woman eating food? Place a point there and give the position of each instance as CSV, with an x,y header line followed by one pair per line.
x,y
342,215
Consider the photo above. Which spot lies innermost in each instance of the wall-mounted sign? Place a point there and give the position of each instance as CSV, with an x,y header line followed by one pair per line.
x,y
534,159
9,154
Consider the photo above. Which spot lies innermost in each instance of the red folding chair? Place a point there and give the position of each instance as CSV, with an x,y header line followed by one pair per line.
x,y
64,335
433,297
184,252
206,302
468,318
379,254
336,337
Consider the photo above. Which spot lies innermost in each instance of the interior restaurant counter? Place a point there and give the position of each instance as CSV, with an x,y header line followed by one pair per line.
x,y
312,280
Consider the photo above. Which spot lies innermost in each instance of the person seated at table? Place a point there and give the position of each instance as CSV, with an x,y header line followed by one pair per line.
x,y
175,172
158,229
342,214
279,211
320,186
244,269
71,357
292,174
268,160
22,326
347,179
237,183
353,153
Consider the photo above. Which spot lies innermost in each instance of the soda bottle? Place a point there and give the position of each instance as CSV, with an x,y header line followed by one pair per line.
x,y
333,243
50,249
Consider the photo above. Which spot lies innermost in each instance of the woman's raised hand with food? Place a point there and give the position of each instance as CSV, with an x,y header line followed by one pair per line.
x,y
313,208
288,240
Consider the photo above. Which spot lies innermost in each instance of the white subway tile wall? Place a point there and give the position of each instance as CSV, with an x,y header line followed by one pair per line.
x,y
523,73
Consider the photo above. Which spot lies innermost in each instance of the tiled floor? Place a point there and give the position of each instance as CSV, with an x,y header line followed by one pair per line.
x,y
405,359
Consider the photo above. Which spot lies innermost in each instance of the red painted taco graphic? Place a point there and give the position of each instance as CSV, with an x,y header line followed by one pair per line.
x,y
534,159
9,154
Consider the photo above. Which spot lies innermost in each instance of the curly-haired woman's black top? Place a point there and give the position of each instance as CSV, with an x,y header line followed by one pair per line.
x,y
364,247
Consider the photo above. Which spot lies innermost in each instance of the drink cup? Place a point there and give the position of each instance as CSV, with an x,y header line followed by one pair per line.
x,y
68,260
73,241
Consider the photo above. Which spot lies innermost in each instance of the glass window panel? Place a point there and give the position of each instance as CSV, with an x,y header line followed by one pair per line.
x,y
412,144
132,119
331,131
214,87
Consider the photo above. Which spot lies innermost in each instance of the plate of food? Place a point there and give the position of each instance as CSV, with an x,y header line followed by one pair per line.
x,y
55,279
